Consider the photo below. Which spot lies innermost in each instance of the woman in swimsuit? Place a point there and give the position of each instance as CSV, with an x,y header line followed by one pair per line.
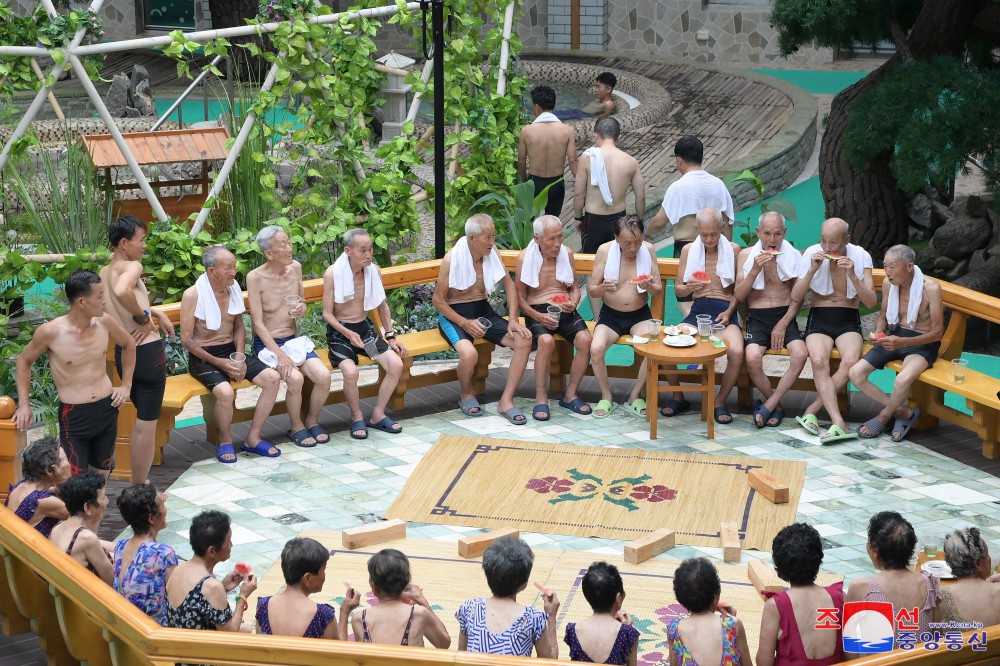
x,y
607,636
35,499
291,612
86,502
402,615
970,598
143,565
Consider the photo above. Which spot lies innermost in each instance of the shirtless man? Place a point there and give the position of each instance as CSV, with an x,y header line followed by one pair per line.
x,y
625,308
765,281
545,269
274,324
77,345
543,148
837,286
712,253
351,287
211,330
469,273
605,104
128,303
912,316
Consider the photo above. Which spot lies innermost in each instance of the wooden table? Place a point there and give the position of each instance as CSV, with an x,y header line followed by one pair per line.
x,y
661,359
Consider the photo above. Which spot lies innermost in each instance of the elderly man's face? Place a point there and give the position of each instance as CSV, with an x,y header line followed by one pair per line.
x,y
550,241
771,233
224,270
281,249
709,233
897,271
360,254
481,244
630,241
834,241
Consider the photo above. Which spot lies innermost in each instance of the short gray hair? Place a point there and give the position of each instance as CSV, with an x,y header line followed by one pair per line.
x,y
266,236
963,549
538,226
210,255
902,252
709,215
507,564
354,234
474,225
763,216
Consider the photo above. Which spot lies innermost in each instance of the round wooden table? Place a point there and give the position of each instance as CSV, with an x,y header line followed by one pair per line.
x,y
662,359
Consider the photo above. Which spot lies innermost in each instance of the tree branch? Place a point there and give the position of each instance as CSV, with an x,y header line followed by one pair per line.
x,y
898,38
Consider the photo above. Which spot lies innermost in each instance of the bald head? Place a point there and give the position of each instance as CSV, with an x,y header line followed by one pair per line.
x,y
836,228
772,217
709,219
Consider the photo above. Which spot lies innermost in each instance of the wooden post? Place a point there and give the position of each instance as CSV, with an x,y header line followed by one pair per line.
x,y
475,546
12,443
772,489
370,535
731,546
640,550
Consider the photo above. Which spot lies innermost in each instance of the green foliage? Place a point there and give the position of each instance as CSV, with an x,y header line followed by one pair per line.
x,y
774,204
17,30
59,31
514,213
842,24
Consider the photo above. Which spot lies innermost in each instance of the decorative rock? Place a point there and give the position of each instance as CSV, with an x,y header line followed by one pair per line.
x,y
977,260
976,205
940,214
131,112
139,74
919,211
957,271
994,219
961,236
915,234
117,99
944,263
142,100
986,279
926,257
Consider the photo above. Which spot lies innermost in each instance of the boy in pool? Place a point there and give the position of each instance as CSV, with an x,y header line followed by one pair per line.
x,y
605,104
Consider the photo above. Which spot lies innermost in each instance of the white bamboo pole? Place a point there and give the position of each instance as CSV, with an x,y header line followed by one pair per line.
x,y
29,51
52,98
425,77
508,21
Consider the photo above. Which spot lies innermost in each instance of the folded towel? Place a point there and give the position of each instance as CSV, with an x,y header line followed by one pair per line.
x,y
696,190
912,306
787,263
822,281
599,173
343,283
725,265
533,261
546,117
207,308
462,274
643,263
296,348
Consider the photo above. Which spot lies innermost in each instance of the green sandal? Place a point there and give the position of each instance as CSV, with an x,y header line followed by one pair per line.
x,y
638,407
809,423
605,406
836,434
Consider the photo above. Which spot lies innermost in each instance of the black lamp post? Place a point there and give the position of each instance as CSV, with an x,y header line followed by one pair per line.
x,y
437,28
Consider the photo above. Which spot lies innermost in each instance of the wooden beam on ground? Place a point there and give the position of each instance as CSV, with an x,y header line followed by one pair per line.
x,y
370,535
763,577
731,545
768,486
640,550
475,546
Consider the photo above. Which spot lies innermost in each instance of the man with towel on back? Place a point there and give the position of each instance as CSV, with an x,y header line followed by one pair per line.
x,y
912,316
545,270
625,306
715,255
839,275
469,273
352,287
211,330
543,148
766,274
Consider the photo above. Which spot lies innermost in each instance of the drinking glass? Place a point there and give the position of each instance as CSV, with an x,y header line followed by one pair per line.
x,y
554,311
704,326
654,328
237,360
716,338
485,323
958,366
292,304
371,347
930,550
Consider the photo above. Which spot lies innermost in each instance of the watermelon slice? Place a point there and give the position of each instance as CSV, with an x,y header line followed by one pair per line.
x,y
640,278
773,253
701,276
244,569
833,257
559,299
877,336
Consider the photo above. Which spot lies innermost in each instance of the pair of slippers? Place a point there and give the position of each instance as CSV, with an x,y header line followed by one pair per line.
x,y
833,435
873,427
766,415
263,448
471,407
385,425
315,433
541,411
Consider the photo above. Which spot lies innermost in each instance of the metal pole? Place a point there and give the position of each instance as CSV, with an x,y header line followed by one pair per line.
x,y
424,76
440,182
190,89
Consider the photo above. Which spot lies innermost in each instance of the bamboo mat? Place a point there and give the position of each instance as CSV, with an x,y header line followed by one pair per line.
x,y
447,580
592,491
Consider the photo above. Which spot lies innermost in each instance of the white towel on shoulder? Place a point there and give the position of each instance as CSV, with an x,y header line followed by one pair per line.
x,y
696,190
822,280
912,306
533,262
643,263
725,265
207,308
296,348
546,117
599,173
787,263
343,283
462,274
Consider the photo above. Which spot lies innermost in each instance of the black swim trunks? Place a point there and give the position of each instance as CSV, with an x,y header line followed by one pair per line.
x,y
452,332
557,193
878,356
342,350
570,323
712,307
622,322
597,230
87,434
760,323
211,376
149,381
678,246
833,322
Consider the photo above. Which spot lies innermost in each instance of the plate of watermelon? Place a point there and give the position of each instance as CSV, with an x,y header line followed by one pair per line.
x,y
701,276
641,278
559,299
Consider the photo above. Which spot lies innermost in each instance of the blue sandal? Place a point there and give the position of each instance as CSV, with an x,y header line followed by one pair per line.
x,y
675,406
318,431
359,425
577,405
262,448
300,436
225,450
385,425
541,408
763,412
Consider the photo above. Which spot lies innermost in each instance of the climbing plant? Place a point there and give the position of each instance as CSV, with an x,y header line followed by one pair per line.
x,y
16,29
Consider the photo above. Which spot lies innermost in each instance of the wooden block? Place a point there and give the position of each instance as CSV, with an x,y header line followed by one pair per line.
x,y
768,486
369,535
731,545
475,546
643,549
763,577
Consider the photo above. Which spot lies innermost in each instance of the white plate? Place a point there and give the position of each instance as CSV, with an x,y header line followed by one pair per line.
x,y
938,568
637,341
674,331
679,341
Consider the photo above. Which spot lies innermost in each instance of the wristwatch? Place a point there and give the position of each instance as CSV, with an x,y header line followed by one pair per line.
x,y
142,319
391,335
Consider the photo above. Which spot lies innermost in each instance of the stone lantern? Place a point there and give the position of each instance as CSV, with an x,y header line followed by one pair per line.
x,y
394,91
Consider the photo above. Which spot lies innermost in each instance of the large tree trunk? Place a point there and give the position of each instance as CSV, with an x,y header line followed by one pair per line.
x,y
234,13
867,197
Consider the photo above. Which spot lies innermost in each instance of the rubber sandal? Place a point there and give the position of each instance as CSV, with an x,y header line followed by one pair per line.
x,y
359,425
676,407
542,407
809,423
837,434
225,450
262,448
605,406
776,414
577,405
902,426
318,431
760,410
638,407
299,437
723,411
467,404
874,427
512,414
385,425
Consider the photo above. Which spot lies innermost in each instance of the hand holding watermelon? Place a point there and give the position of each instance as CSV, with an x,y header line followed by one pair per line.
x,y
244,569
638,279
877,337
701,276
563,301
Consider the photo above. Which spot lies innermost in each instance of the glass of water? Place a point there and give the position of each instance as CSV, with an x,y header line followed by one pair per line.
x,y
237,361
292,304
654,328
371,347
485,323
